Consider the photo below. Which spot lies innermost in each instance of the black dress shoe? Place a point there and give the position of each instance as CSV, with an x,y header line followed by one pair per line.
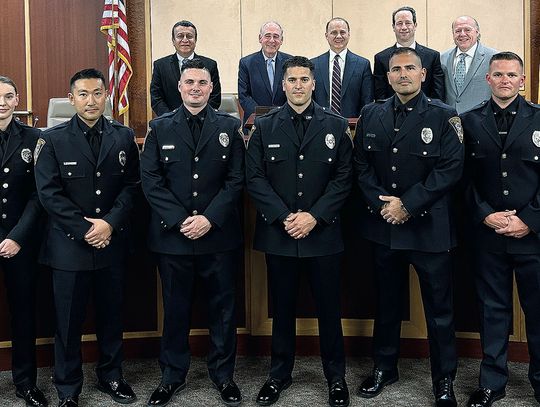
x,y
338,393
375,383
444,393
119,390
33,397
69,402
271,390
230,393
164,393
483,397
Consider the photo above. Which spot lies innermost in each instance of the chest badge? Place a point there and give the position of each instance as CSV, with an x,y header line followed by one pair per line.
x,y
26,155
330,141
122,158
427,135
536,138
224,139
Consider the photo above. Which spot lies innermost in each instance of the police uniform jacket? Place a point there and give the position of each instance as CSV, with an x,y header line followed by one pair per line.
x,y
419,164
20,207
72,184
285,176
505,176
181,179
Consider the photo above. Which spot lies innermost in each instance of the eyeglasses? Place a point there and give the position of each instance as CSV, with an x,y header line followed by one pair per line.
x,y
183,36
343,33
404,23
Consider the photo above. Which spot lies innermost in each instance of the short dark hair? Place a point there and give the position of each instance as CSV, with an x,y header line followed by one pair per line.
x,y
506,56
88,73
298,61
407,51
404,8
184,23
194,63
8,81
336,19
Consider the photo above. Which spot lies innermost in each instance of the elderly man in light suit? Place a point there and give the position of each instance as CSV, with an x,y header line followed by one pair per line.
x,y
465,66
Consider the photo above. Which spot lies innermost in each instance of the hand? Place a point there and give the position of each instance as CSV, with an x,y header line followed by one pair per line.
x,y
195,227
498,220
516,228
392,211
9,248
299,224
99,234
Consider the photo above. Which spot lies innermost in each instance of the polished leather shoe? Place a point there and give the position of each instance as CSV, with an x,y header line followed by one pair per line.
x,y
164,393
230,393
483,397
33,397
338,393
444,393
271,390
69,402
119,390
374,384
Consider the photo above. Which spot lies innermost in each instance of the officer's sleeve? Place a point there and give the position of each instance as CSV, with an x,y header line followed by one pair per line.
x,y
225,201
530,214
160,198
439,91
244,94
327,207
119,214
157,95
51,192
267,201
444,175
478,207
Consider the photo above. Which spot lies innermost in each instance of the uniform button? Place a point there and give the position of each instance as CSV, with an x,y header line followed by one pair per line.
x,y
300,175
394,150
195,176
6,170
300,193
535,158
5,185
166,158
394,185
301,157
394,168
223,156
98,174
122,171
98,210
272,158
505,192
194,213
505,174
27,170
4,216
196,159
98,192
162,222
503,156
4,200
424,152
473,154
69,174
299,210
369,147
195,193
329,160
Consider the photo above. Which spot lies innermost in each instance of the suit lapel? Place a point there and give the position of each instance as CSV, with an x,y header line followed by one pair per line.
x,y
80,140
521,123
14,141
261,65
277,74
477,60
286,125
325,74
450,69
208,130
107,142
413,120
181,130
489,124
314,127
350,67
175,68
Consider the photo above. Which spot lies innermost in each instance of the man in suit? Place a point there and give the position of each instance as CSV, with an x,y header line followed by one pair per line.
x,y
299,174
259,74
344,80
19,240
192,175
404,27
503,201
164,85
408,156
465,66
87,177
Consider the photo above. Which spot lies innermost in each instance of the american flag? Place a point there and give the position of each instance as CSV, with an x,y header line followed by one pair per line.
x,y
114,26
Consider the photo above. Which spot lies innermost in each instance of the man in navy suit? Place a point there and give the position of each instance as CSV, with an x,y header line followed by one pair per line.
x,y
404,26
164,86
259,74
344,80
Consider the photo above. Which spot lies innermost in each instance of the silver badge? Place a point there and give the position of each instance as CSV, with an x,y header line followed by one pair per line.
x,y
536,138
26,155
122,158
224,139
330,141
427,135
40,143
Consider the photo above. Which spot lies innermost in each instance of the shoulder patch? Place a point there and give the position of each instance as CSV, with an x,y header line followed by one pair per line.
x,y
455,122
39,145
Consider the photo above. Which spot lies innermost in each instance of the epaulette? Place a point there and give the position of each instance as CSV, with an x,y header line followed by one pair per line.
x,y
380,101
272,112
436,102
115,123
478,106
331,112
536,106
57,127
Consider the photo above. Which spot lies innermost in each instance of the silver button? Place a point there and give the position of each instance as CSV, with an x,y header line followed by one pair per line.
x,y
369,147
223,156
195,176
394,150
98,174
503,156
300,193
394,185
5,185
195,193
98,192
4,200
98,210
300,175
166,158
473,154
424,152
535,158
4,216
6,170
329,160
122,171
196,159
272,158
194,213
394,168
299,210
69,174
505,192
301,157
505,174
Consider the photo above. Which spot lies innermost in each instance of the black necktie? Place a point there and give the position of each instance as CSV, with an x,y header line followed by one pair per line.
x,y
400,114
502,124
196,129
298,121
94,139
3,142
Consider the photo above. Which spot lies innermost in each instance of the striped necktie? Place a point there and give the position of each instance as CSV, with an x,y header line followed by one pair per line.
x,y
336,86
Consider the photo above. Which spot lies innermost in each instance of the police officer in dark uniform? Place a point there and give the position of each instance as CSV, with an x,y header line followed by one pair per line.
x,y
19,240
192,175
298,168
408,156
503,203
87,176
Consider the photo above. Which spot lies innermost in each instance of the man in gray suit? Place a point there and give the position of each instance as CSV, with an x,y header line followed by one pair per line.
x,y
465,66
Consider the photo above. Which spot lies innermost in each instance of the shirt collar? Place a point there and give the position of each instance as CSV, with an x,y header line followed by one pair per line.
x,y
512,107
342,54
201,114
413,45
267,58
85,128
181,58
469,53
7,131
307,112
410,105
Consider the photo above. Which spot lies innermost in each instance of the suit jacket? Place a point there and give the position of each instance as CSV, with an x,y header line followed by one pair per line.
x,y
421,172
432,87
19,205
180,179
501,177
475,89
164,93
72,184
253,84
356,86
285,176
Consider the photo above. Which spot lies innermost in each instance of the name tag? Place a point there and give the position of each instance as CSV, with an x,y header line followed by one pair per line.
x,y
70,163
274,145
167,147
371,135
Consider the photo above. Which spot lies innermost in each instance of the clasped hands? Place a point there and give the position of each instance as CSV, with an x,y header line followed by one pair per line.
x,y
507,223
99,234
299,224
195,226
393,211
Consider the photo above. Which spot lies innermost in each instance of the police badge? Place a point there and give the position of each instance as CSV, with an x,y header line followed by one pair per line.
x,y
455,122
224,139
39,146
427,135
330,141
26,155
536,138
122,158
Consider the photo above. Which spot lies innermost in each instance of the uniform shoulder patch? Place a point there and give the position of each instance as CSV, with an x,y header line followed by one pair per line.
x,y
39,145
455,122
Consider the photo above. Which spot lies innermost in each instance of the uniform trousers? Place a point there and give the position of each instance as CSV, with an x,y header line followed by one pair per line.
x,y
494,286
71,294
324,278
218,272
434,272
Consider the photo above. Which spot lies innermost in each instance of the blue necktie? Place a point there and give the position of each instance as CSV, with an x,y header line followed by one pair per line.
x,y
460,71
270,70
